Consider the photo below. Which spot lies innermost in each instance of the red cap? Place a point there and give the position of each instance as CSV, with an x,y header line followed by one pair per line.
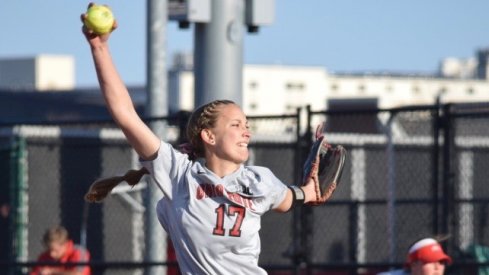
x,y
428,251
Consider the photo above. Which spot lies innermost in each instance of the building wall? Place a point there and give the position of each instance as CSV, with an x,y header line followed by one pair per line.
x,y
279,89
268,89
282,89
40,73
55,72
17,74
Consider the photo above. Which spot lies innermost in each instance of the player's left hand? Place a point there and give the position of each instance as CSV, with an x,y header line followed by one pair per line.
x,y
323,168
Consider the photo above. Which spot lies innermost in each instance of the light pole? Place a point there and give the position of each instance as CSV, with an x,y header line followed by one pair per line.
x,y
218,42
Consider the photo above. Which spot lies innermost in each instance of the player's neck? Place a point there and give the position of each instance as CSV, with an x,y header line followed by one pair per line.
x,y
221,167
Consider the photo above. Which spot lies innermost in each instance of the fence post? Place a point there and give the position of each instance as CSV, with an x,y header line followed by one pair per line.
x,y
391,191
437,125
297,250
18,196
448,176
307,218
353,232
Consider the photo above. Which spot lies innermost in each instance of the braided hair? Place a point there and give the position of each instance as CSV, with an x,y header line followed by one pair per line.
x,y
204,117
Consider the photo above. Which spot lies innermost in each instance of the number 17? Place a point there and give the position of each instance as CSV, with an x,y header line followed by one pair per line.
x,y
233,210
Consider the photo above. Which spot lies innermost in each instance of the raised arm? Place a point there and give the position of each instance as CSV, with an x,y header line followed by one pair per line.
x,y
117,97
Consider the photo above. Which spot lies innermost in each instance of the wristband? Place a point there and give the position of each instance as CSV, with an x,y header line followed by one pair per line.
x,y
298,195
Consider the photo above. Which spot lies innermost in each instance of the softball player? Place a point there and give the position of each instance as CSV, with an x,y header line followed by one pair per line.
x,y
212,204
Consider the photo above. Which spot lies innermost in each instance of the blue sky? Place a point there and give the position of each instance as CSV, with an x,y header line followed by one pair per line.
x,y
340,35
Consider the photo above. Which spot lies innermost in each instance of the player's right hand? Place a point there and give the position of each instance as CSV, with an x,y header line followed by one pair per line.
x,y
93,38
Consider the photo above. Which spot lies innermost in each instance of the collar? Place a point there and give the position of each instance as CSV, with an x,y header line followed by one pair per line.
x,y
243,181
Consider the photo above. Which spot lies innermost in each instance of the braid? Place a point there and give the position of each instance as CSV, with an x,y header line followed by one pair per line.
x,y
204,117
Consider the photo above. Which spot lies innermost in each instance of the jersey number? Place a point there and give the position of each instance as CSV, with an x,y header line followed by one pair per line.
x,y
233,210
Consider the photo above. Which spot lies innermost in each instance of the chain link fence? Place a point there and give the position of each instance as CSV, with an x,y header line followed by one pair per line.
x,y
410,173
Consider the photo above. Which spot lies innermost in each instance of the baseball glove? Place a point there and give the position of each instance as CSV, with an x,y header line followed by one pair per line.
x,y
102,187
324,166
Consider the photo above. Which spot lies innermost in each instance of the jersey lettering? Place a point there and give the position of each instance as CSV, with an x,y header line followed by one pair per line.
x,y
219,229
239,212
232,210
210,191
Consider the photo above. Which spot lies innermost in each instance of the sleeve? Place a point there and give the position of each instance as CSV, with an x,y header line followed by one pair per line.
x,y
37,269
278,193
167,168
80,255
269,186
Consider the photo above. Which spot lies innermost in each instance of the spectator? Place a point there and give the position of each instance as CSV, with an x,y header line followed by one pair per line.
x,y
61,249
425,257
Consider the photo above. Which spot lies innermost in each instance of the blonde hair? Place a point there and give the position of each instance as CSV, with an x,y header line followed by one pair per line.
x,y
57,234
204,117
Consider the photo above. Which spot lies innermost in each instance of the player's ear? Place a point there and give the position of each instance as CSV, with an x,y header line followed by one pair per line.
x,y
207,136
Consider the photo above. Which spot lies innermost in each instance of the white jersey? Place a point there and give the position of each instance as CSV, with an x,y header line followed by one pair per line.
x,y
213,222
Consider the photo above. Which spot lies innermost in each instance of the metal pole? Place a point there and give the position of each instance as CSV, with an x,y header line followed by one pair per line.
x,y
306,214
437,120
218,58
156,106
18,219
448,179
391,191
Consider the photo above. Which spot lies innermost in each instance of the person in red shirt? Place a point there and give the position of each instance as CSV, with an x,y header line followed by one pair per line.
x,y
61,249
426,257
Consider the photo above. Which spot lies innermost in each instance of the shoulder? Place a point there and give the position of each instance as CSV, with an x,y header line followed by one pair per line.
x,y
262,173
259,170
166,155
79,253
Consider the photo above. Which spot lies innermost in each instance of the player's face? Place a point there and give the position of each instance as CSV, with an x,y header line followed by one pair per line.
x,y
420,268
232,134
57,249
